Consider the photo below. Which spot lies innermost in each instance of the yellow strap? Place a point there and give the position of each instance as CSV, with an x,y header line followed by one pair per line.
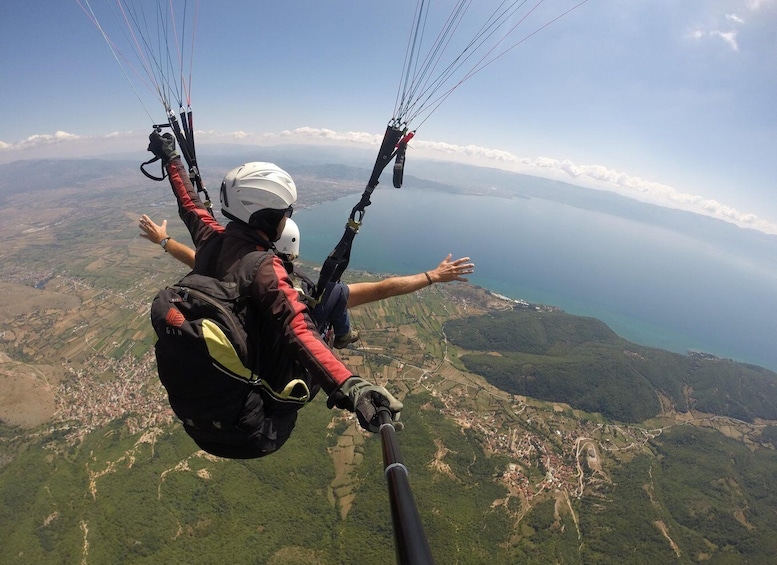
x,y
220,349
302,394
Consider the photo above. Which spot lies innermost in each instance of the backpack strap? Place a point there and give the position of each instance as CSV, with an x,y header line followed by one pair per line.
x,y
246,269
242,276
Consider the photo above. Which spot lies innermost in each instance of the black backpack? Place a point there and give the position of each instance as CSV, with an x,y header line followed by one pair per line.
x,y
205,358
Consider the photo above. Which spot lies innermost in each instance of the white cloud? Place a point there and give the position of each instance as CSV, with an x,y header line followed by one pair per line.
x,y
598,176
716,27
730,37
63,144
467,150
233,136
307,133
299,135
758,4
43,139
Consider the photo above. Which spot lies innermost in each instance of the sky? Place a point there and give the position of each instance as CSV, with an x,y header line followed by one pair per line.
x,y
667,101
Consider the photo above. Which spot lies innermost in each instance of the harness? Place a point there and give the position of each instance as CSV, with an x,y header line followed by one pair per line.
x,y
394,146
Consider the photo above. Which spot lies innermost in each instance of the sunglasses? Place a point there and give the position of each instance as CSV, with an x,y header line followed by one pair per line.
x,y
288,212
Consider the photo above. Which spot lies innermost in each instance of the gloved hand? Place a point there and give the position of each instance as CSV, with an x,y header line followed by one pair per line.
x,y
162,146
364,398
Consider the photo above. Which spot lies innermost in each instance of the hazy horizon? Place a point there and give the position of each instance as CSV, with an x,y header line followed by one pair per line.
x,y
658,276
360,150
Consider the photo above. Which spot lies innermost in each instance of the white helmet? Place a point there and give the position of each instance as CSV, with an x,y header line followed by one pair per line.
x,y
288,244
256,186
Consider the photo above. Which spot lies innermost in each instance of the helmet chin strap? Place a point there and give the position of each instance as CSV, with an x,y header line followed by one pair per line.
x,y
263,240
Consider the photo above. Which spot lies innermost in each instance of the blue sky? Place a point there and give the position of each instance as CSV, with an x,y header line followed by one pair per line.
x,y
669,101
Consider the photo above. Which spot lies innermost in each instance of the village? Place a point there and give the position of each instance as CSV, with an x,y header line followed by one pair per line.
x,y
97,342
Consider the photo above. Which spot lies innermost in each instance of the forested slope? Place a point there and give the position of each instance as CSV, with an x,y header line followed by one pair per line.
x,y
555,356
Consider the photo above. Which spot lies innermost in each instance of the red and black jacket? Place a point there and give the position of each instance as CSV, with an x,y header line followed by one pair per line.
x,y
286,343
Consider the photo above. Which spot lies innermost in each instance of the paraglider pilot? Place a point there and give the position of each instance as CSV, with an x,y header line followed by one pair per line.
x,y
258,198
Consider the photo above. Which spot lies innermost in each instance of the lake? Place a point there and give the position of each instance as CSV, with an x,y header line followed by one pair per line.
x,y
653,285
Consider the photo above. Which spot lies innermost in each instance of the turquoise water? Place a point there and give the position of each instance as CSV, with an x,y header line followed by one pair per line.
x,y
652,285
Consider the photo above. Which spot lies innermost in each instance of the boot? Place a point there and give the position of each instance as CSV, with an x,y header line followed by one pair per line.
x,y
345,340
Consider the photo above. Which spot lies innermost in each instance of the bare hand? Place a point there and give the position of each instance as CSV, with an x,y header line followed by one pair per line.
x,y
452,270
152,231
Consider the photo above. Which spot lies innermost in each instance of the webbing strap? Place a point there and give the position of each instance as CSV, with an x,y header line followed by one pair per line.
x,y
149,175
185,137
337,261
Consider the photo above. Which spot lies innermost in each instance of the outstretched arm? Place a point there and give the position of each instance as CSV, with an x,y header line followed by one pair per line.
x,y
447,271
155,234
192,211
200,223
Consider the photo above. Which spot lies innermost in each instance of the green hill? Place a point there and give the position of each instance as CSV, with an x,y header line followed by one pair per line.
x,y
558,357
154,498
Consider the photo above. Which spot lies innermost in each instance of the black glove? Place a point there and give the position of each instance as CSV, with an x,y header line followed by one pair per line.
x,y
162,146
364,398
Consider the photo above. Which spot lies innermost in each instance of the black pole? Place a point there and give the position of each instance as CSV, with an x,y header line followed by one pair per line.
x,y
409,539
